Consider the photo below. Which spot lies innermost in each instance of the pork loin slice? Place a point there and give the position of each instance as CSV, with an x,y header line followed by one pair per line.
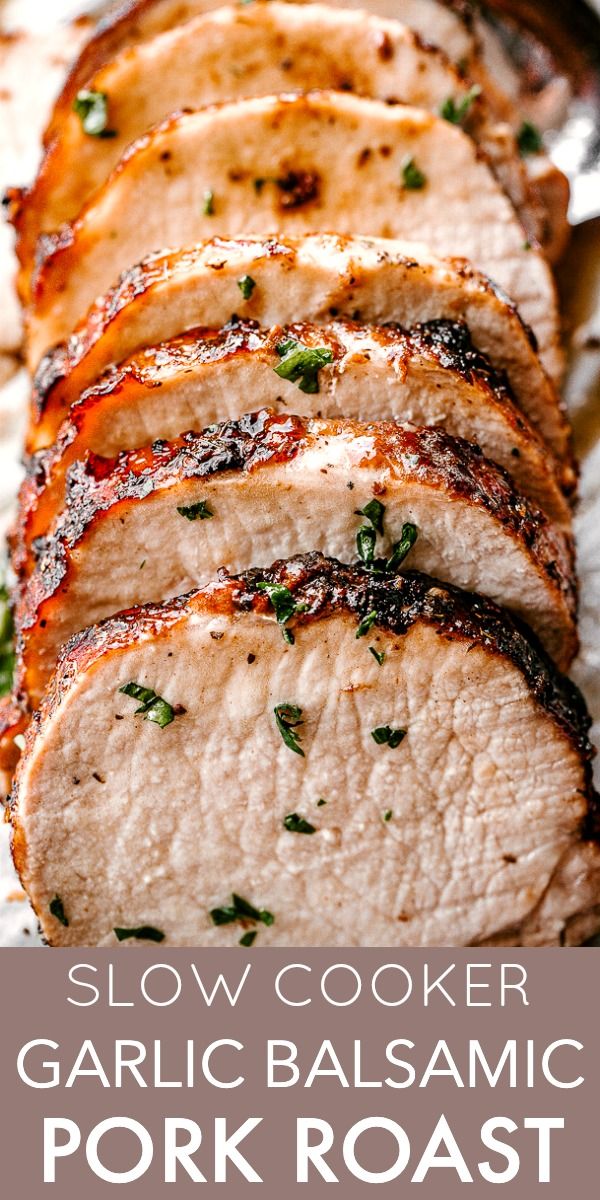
x,y
429,375
158,520
134,22
253,51
300,164
311,278
422,785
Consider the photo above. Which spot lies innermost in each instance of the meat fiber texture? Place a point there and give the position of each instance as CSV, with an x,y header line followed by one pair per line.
x,y
299,164
282,484
428,375
252,51
407,752
322,276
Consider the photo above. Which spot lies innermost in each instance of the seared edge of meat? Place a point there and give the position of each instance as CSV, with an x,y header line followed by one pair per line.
x,y
258,135
325,586
429,455
444,344
360,52
170,291
131,21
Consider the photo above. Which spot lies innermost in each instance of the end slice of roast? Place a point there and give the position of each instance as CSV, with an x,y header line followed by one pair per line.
x,y
312,278
256,50
427,784
428,375
299,164
158,520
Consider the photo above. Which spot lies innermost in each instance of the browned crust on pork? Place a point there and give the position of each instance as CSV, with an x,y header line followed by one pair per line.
x,y
325,588
71,367
443,343
259,440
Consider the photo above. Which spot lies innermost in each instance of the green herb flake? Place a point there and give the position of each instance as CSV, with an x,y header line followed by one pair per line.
x,y
413,179
365,544
366,624
456,111
388,814
248,939
284,604
378,655
7,648
301,364
527,245
240,910
142,564
400,549
143,933
196,512
152,707
294,823
529,139
385,736
287,718
57,909
374,511
208,204
92,110
321,801
246,285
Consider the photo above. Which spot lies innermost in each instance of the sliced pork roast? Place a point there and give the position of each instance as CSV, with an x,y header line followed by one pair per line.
x,y
407,769
318,277
301,164
158,520
253,51
429,375
133,22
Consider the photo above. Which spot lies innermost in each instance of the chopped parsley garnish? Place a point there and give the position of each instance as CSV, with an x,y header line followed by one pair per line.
x,y
321,801
388,814
385,736
365,544
246,285
208,206
57,909
240,910
287,718
366,624
92,110
7,649
378,655
456,111
294,823
143,933
152,707
284,604
196,512
301,364
247,939
413,179
529,139
374,511
401,549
